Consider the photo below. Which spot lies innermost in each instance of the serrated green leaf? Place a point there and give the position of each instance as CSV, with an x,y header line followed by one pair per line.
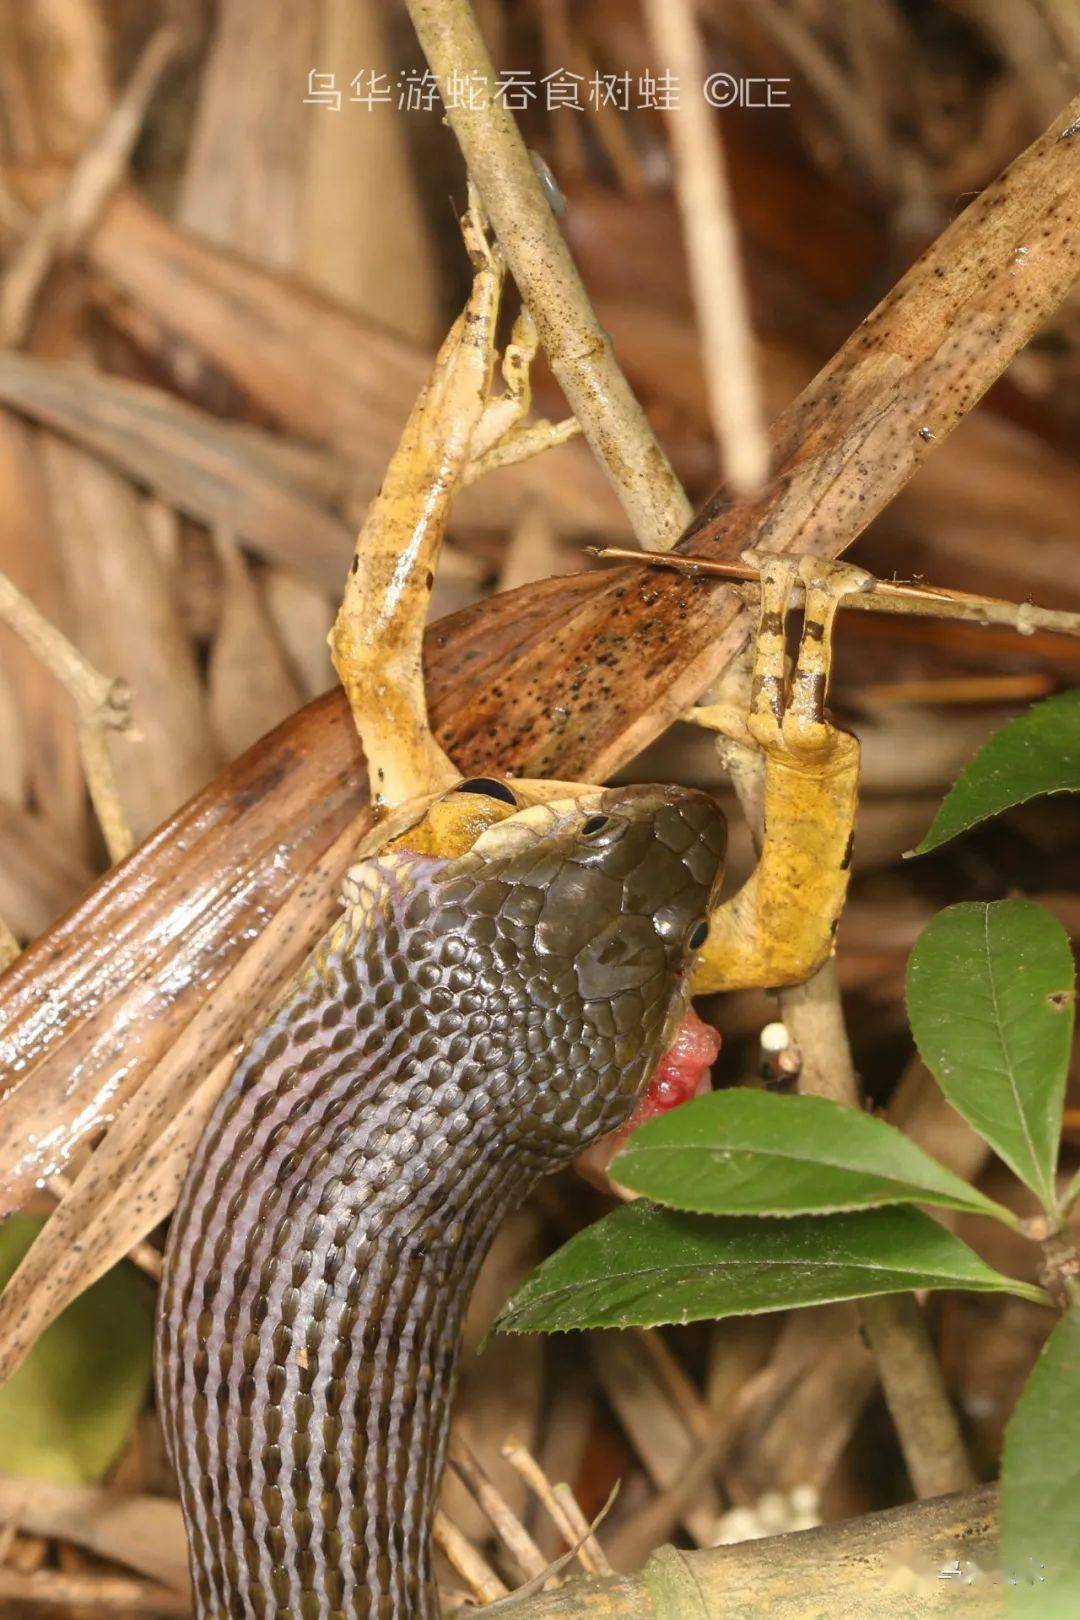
x,y
1037,753
1040,1484
743,1152
990,995
67,1412
643,1266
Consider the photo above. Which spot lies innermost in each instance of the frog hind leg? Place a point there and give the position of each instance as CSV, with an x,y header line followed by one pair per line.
x,y
456,429
779,927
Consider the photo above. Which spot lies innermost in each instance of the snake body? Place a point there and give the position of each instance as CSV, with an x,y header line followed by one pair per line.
x,y
467,1027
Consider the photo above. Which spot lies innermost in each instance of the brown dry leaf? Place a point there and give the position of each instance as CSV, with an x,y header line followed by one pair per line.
x,y
127,624
57,87
144,1532
654,1423
40,874
324,374
270,493
301,615
30,555
251,689
359,171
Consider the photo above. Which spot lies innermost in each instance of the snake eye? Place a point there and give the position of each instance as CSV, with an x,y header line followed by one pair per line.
x,y
697,934
593,826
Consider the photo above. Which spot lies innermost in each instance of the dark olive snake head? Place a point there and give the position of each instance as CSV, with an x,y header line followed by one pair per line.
x,y
573,924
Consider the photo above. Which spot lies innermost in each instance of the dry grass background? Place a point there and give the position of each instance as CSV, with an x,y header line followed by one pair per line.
x,y
212,336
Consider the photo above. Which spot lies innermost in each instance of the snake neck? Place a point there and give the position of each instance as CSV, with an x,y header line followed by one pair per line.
x,y
309,1354
466,1028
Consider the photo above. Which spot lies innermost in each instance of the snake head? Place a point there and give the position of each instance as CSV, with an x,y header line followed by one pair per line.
x,y
593,910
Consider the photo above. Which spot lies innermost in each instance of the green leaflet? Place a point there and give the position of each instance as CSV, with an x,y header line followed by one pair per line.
x,y
1040,1485
990,996
744,1152
645,1266
1039,752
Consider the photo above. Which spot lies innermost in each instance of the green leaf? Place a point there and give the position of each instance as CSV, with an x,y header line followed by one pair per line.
x,y
644,1266
744,1152
990,996
1039,752
68,1411
1040,1484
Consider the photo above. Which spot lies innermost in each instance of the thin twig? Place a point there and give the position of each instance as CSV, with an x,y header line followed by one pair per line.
x,y
524,1463
871,1568
712,249
102,705
577,347
882,596
504,1521
482,1580
68,217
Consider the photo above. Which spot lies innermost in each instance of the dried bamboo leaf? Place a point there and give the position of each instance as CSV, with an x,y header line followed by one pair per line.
x,y
242,185
228,477
324,374
54,79
654,1424
30,556
127,623
40,874
144,1532
250,685
301,615
358,171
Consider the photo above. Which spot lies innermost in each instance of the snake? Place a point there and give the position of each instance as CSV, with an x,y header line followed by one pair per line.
x,y
467,1026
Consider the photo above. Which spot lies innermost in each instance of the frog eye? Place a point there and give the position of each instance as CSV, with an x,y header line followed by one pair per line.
x,y
697,934
593,826
490,787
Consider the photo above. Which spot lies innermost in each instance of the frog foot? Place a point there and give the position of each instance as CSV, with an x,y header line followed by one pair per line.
x,y
788,716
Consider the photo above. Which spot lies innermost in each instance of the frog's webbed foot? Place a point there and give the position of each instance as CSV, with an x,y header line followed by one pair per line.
x,y
787,717
779,927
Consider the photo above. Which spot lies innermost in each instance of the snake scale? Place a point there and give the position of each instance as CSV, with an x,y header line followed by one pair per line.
x,y
468,1026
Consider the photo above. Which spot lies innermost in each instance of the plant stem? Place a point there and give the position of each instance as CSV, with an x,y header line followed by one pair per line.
x,y
872,1568
577,346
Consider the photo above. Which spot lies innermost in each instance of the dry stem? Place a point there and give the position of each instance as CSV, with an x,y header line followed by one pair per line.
x,y
910,1372
873,1568
577,346
101,1594
102,705
882,596
65,221
907,1363
712,249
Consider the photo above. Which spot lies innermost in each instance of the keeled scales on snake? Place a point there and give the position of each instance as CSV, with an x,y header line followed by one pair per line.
x,y
469,1026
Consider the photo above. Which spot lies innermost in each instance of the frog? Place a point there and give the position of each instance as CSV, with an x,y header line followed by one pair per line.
x,y
779,927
